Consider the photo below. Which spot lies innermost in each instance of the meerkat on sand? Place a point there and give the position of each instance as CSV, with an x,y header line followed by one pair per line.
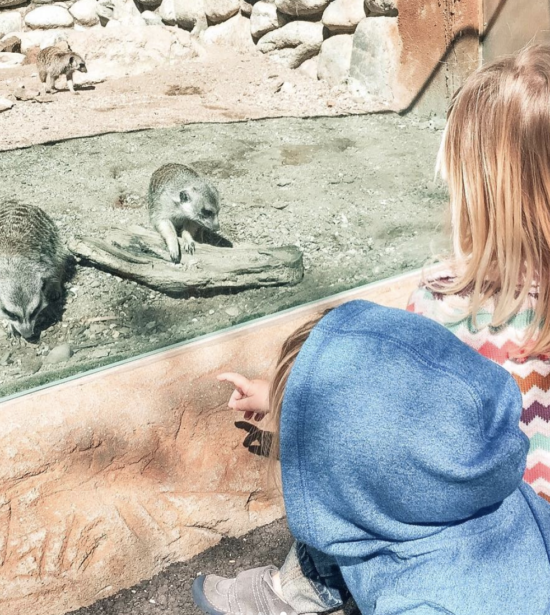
x,y
180,201
53,62
32,265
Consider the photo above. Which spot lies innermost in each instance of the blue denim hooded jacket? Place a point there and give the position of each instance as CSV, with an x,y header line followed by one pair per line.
x,y
402,458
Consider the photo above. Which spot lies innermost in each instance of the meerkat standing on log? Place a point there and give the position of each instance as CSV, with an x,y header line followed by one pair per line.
x,y
32,265
53,62
180,201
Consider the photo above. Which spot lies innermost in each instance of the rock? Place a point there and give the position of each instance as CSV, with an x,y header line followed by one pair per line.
x,y
264,18
233,311
40,39
335,59
85,12
46,17
309,67
218,11
374,60
11,44
294,43
125,50
23,94
7,3
5,104
187,14
151,19
301,8
9,60
342,16
10,22
381,7
246,8
235,32
30,365
59,354
117,10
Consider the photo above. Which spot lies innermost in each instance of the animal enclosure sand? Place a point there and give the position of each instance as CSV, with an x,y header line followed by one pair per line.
x,y
356,194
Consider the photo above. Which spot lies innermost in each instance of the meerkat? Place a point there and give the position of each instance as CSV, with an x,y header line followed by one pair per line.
x,y
180,201
53,62
32,265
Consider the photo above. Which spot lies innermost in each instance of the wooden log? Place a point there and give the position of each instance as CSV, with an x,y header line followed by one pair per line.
x,y
139,254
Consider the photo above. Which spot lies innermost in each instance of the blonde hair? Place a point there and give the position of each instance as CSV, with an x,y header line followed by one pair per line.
x,y
289,351
495,157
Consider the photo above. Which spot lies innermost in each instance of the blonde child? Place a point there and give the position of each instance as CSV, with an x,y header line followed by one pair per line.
x,y
495,157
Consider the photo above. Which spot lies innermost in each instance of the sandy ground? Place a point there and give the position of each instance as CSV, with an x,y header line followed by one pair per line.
x,y
246,87
169,592
356,194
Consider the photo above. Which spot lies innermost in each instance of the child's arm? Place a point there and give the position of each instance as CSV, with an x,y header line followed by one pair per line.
x,y
249,396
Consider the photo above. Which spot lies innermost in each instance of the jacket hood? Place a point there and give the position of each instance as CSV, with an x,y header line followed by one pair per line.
x,y
392,429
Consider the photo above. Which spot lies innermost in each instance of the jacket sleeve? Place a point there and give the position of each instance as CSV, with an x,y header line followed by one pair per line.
x,y
394,604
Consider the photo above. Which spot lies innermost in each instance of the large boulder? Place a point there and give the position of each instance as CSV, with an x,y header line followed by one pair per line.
x,y
264,18
151,19
10,22
301,8
117,10
342,16
40,39
294,43
235,33
246,8
5,104
375,60
218,11
125,50
9,60
7,3
187,14
335,59
381,7
10,44
85,12
46,17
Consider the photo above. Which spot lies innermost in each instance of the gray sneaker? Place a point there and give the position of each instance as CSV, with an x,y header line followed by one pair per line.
x,y
250,593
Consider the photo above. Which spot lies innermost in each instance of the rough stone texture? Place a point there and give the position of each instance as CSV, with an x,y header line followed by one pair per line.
x,y
246,8
39,39
125,50
151,19
342,16
294,43
309,67
5,104
46,17
10,44
150,4
264,18
235,32
381,7
187,14
9,3
335,59
9,60
117,10
107,479
85,12
218,11
375,60
301,8
10,22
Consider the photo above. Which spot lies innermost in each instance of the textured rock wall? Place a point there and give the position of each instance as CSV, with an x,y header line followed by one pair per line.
x,y
108,478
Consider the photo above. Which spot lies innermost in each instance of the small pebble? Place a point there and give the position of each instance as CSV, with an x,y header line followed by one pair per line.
x,y
59,354
233,311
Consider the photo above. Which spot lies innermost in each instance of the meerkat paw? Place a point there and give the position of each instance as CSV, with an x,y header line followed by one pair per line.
x,y
189,247
175,257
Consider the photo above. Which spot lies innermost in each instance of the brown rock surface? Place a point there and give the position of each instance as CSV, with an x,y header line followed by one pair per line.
x,y
11,45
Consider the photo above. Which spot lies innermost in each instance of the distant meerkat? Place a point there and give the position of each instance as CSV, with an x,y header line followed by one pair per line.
x,y
180,201
32,265
53,62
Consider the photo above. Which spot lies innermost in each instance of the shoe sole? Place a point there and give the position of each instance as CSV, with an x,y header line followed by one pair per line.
x,y
200,599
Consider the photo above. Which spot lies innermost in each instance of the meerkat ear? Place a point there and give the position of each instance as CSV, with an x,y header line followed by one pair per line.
x,y
72,61
184,196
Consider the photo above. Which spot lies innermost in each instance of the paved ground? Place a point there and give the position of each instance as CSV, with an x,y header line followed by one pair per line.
x,y
169,593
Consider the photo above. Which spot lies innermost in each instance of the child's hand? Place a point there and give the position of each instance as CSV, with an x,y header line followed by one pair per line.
x,y
249,396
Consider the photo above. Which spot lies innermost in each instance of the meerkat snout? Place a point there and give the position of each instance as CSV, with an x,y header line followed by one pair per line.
x,y
201,205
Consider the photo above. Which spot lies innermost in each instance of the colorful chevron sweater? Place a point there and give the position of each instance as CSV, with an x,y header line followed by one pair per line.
x,y
531,374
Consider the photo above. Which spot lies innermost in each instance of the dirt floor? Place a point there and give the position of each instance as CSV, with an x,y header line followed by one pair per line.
x,y
170,591
356,194
249,87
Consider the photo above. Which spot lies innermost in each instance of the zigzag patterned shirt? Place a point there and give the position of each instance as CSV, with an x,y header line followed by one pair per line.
x,y
497,344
